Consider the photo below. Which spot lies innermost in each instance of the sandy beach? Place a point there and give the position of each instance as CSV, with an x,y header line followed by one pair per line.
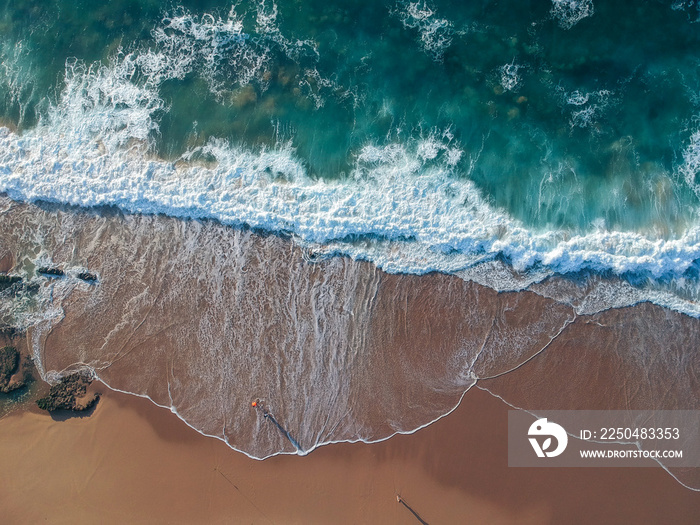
x,y
132,462
336,349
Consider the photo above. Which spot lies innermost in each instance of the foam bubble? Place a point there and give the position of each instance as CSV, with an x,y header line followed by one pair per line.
x,y
577,98
570,12
509,77
584,108
435,33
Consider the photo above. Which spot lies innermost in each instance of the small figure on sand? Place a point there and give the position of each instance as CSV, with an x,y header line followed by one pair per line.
x,y
258,405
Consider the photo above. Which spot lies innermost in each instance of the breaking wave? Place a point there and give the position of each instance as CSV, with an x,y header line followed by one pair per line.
x,y
405,205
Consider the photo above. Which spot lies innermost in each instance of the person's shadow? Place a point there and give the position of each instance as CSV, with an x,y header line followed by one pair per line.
x,y
400,500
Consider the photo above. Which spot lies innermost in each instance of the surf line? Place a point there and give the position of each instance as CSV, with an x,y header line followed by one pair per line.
x,y
267,415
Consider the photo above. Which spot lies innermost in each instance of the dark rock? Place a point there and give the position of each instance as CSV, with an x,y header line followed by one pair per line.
x,y
8,280
9,331
9,361
87,277
9,366
69,394
50,271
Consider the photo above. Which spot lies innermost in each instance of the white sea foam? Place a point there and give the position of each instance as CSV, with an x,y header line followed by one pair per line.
x,y
585,109
435,33
16,76
266,25
570,12
509,76
225,54
690,170
220,50
686,5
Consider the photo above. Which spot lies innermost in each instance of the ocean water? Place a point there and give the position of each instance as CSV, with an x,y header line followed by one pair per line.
x,y
558,136
507,143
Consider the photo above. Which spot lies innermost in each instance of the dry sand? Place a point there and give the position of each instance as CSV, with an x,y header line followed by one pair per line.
x,y
131,462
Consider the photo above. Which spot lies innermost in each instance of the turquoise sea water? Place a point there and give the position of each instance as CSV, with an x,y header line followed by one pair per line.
x,y
557,135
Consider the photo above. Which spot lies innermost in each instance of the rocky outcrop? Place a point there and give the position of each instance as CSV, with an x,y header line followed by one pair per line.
x,y
50,271
13,373
69,394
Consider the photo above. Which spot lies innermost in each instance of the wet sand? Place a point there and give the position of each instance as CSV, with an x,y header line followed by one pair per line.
x,y
131,462
207,318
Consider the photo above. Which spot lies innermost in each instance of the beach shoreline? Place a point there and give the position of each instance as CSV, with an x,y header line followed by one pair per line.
x,y
132,461
336,350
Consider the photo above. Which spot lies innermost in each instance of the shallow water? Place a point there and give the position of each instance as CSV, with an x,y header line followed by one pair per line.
x,y
205,319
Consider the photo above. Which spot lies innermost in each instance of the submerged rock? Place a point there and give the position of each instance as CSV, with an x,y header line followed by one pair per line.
x,y
8,280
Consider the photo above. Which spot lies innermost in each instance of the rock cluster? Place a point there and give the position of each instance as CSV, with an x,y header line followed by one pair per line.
x,y
12,375
69,394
